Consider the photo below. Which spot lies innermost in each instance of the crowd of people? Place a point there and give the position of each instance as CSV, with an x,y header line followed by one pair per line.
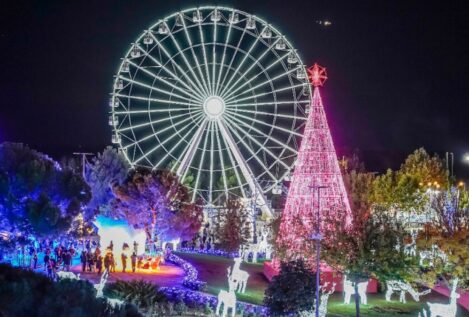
x,y
95,261
60,255
60,259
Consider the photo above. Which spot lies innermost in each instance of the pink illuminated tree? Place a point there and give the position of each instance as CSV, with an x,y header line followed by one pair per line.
x,y
316,175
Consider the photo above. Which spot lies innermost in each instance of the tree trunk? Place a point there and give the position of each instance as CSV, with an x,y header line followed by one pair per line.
x,y
357,300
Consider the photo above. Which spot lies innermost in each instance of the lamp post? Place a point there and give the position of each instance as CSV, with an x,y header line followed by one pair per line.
x,y
317,237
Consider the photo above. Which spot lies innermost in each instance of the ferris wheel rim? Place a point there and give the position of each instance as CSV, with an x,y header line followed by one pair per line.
x,y
235,116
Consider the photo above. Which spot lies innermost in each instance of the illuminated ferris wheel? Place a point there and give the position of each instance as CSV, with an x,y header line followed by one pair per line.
x,y
217,95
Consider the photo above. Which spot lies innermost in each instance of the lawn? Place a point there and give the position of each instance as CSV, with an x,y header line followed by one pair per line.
x,y
213,270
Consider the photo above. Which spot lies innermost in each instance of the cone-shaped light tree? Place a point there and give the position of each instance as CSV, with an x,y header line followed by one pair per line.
x,y
317,186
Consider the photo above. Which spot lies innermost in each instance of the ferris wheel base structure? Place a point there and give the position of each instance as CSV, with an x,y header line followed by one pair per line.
x,y
218,96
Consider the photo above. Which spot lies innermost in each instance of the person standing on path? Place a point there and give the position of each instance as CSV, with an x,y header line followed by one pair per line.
x,y
133,260
124,261
83,260
99,263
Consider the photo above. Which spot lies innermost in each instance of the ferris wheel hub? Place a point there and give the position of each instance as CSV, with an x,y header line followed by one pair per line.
x,y
214,107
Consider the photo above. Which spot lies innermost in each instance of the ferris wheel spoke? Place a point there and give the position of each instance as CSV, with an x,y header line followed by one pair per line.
x,y
287,116
243,60
170,94
233,162
233,58
265,135
206,83
159,131
160,144
244,167
272,92
234,125
197,89
191,95
179,142
220,71
283,102
149,111
221,161
151,123
189,66
254,155
214,54
196,186
204,53
266,82
228,91
189,151
264,123
156,100
212,127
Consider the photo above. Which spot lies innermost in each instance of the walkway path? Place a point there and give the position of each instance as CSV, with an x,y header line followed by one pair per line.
x,y
167,275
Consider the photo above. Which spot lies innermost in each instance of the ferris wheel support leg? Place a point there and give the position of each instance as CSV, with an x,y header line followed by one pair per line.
x,y
191,150
253,184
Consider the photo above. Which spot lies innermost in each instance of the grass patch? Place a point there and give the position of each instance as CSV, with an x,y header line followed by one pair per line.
x,y
213,270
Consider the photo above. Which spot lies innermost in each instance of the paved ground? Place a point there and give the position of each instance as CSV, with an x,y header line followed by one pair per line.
x,y
166,275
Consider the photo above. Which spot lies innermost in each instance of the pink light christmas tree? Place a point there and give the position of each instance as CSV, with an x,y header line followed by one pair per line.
x,y
316,167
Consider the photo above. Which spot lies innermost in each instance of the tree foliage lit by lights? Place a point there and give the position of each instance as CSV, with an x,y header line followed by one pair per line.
x,y
157,202
106,170
232,227
372,245
425,168
37,196
181,219
450,232
403,189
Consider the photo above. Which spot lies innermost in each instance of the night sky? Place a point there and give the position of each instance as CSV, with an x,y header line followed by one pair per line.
x,y
398,70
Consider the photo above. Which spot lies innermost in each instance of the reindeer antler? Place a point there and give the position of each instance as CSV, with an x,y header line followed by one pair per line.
x,y
323,286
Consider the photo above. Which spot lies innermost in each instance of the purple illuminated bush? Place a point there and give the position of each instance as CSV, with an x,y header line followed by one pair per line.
x,y
190,280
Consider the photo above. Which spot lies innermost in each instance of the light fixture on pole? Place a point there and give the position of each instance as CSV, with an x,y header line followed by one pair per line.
x,y
317,236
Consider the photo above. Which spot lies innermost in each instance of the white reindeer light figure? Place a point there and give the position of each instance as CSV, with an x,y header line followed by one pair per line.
x,y
115,303
268,252
432,255
69,275
323,303
349,290
100,286
239,276
324,299
402,287
445,310
411,248
264,243
250,248
227,298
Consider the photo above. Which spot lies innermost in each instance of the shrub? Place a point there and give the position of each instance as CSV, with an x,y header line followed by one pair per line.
x,y
180,308
29,294
141,293
292,290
